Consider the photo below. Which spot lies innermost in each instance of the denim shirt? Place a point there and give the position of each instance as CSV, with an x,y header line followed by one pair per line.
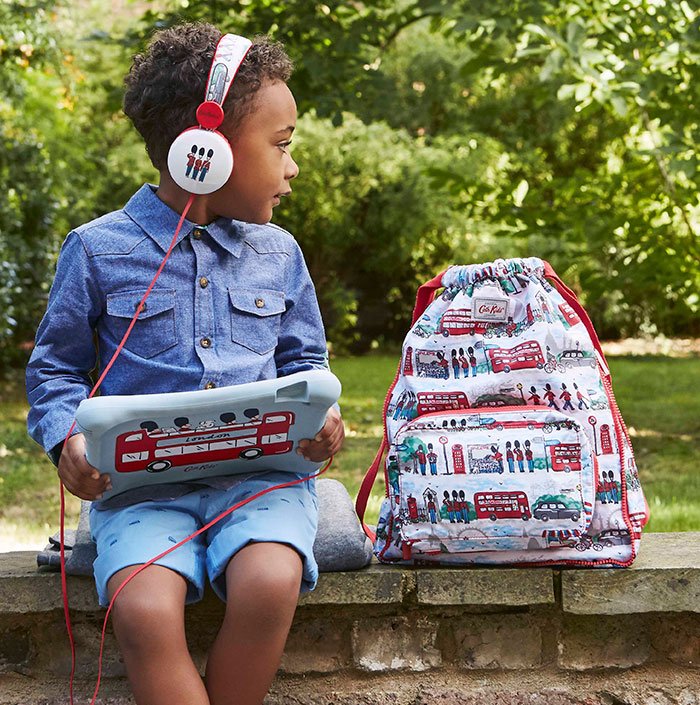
x,y
234,304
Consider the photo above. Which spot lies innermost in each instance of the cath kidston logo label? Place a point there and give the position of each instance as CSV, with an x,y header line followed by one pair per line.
x,y
489,309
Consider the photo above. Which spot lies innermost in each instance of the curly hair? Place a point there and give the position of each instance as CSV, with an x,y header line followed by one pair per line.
x,y
166,84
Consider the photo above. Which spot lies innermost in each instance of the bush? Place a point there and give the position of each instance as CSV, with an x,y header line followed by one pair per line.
x,y
27,211
372,224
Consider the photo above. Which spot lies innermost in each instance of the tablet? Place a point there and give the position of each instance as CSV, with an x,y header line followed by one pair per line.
x,y
176,437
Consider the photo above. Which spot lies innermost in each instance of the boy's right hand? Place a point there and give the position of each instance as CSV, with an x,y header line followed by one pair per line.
x,y
78,476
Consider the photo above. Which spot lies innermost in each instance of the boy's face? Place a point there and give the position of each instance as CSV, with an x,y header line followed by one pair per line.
x,y
262,164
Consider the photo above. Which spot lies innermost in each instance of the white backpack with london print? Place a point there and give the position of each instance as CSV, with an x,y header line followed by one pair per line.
x,y
503,441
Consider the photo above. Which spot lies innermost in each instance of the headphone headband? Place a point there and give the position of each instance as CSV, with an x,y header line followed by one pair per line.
x,y
228,56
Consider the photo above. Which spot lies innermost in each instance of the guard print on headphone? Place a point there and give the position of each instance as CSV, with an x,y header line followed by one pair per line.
x,y
200,160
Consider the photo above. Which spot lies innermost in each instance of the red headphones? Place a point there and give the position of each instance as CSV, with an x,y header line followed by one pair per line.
x,y
200,160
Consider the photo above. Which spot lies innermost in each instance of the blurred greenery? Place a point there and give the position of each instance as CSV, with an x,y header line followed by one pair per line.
x,y
657,396
431,132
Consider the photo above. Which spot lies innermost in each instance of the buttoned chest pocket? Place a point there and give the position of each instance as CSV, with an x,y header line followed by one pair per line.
x,y
154,331
255,318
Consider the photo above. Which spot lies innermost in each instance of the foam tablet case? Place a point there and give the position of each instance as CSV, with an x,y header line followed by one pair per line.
x,y
181,436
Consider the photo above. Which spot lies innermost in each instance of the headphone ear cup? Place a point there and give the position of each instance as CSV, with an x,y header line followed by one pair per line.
x,y
200,161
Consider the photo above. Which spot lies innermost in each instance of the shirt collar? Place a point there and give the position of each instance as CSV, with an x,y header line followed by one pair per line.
x,y
159,221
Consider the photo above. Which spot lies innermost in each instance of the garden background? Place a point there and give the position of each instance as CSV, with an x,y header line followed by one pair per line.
x,y
430,132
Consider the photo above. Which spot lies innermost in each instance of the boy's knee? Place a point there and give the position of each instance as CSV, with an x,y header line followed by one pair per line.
x,y
272,581
142,619
142,614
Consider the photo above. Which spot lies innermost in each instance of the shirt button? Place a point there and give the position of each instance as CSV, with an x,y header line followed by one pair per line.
x,y
205,342
197,233
136,306
260,303
203,282
209,385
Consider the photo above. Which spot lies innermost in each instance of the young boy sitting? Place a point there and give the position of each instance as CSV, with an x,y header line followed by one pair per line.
x,y
234,304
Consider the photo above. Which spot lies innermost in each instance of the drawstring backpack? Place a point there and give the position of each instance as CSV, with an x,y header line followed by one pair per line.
x,y
503,440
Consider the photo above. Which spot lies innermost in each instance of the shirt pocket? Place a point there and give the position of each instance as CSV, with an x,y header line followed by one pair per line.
x,y
255,318
154,331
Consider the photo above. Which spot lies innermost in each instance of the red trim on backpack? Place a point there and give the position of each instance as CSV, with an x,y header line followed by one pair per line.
x,y
424,297
621,432
366,488
426,294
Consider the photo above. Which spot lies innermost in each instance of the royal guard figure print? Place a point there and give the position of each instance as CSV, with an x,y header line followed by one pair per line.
x,y
498,457
432,459
510,457
206,165
191,157
534,397
529,457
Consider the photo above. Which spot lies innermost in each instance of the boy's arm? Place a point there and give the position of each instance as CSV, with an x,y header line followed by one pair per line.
x,y
302,346
64,352
302,341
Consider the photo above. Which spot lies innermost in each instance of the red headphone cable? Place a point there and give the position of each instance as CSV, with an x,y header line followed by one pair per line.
x,y
139,308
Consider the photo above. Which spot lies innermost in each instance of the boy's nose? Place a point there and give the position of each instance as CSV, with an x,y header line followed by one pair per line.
x,y
292,170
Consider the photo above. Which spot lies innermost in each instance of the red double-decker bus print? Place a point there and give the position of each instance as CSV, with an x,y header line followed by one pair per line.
x,y
160,450
459,321
564,456
569,314
523,356
441,401
501,505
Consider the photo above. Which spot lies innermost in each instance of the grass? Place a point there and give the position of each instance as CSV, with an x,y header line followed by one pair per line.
x,y
657,396
659,400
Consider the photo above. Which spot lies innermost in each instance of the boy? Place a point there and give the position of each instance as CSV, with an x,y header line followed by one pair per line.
x,y
233,304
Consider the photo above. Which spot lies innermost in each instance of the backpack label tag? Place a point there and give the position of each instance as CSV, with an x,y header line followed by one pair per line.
x,y
490,306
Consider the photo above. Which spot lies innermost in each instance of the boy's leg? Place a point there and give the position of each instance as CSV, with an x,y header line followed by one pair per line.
x,y
149,623
262,589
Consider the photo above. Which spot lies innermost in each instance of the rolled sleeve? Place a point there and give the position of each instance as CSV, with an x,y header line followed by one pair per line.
x,y
57,376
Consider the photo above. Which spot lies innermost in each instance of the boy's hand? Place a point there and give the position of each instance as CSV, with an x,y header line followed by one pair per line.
x,y
78,476
328,441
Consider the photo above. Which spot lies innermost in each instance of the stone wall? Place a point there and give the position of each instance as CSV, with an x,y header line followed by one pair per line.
x,y
390,635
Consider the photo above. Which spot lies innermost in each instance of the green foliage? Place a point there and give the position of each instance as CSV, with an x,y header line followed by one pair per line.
x,y
371,223
27,201
611,196
432,131
26,213
26,43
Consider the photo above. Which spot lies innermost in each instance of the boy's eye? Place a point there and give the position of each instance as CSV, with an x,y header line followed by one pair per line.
x,y
284,145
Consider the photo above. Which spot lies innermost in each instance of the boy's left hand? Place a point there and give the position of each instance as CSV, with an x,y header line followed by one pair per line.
x,y
328,441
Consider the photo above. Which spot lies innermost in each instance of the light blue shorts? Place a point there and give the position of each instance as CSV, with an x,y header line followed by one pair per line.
x,y
136,533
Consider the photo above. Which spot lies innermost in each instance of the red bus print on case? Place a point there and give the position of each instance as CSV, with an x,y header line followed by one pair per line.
x,y
524,356
501,505
157,451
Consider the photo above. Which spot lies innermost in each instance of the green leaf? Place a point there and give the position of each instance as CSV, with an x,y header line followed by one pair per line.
x,y
566,91
520,192
619,105
582,91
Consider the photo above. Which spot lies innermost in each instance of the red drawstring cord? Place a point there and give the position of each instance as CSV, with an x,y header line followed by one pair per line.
x,y
64,584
